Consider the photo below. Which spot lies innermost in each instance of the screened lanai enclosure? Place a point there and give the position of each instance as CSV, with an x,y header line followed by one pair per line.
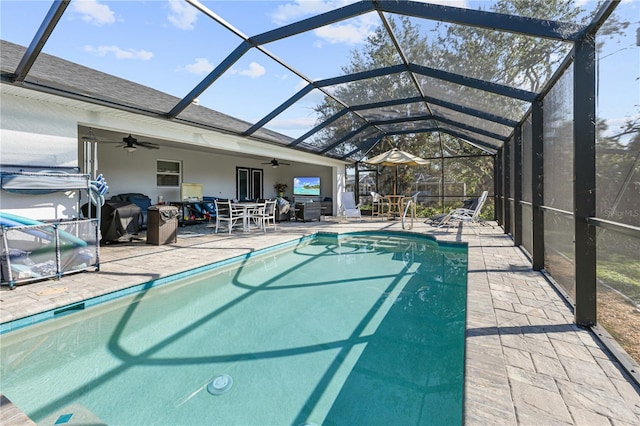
x,y
533,101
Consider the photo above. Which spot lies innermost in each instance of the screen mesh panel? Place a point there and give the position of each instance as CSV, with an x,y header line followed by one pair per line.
x,y
473,98
483,141
332,132
527,233
375,89
526,160
410,109
409,126
558,182
558,145
508,69
618,180
512,183
471,120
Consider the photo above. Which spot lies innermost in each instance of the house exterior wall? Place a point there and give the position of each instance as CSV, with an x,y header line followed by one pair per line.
x,y
136,172
38,134
38,129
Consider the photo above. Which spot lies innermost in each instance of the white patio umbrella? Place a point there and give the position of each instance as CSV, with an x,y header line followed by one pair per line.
x,y
395,157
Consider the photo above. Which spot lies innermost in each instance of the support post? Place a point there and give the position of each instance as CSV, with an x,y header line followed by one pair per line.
x,y
498,186
537,185
584,179
506,172
356,184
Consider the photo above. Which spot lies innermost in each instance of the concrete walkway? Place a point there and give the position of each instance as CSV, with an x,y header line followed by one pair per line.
x,y
526,362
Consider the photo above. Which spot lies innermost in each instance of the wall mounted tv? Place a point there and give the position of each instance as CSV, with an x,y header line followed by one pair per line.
x,y
306,185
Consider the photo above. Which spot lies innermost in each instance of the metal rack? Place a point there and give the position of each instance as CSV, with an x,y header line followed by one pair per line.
x,y
34,250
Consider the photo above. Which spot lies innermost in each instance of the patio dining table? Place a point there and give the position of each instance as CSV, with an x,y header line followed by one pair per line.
x,y
395,204
247,209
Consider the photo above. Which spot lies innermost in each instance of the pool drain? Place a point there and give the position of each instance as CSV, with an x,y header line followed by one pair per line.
x,y
220,384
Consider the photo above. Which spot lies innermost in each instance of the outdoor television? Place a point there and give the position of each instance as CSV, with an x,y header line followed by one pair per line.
x,y
306,185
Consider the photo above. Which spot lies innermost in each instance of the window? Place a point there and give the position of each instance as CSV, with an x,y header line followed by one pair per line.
x,y
168,173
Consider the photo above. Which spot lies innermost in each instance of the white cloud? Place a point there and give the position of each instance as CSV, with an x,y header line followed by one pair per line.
x,y
200,66
255,70
301,84
93,12
354,32
119,53
298,9
351,31
182,15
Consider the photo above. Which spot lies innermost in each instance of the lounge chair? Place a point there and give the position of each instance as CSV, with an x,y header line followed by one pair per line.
x,y
348,206
469,215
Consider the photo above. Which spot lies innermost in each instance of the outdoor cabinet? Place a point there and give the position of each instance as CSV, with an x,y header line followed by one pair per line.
x,y
308,211
162,225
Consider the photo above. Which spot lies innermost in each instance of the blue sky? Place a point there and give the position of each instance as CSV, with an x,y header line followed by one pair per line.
x,y
171,46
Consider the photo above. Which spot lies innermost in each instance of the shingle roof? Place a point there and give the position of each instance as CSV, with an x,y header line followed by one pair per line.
x,y
62,75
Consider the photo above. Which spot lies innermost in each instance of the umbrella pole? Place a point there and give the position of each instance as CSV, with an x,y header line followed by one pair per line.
x,y
395,182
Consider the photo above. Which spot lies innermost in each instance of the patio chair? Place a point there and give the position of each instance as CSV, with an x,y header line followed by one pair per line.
x,y
349,207
465,215
226,213
265,215
380,206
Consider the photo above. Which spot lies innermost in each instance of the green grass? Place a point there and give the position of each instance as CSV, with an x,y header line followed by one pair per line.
x,y
622,273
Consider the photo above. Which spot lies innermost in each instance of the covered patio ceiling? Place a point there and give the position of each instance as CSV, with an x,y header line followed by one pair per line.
x,y
414,90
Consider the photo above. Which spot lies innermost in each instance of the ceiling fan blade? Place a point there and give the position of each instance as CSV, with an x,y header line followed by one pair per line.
x,y
149,145
275,163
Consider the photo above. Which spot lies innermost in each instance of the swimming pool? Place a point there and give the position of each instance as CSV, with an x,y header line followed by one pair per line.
x,y
356,329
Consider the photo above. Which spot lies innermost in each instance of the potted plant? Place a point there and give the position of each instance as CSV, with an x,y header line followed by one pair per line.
x,y
280,188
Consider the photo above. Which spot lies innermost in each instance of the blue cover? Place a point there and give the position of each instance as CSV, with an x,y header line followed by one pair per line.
x,y
143,202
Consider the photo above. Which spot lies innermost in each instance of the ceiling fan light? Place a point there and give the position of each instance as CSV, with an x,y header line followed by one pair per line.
x,y
130,148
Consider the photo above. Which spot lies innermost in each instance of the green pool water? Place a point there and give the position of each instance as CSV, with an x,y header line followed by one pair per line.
x,y
362,329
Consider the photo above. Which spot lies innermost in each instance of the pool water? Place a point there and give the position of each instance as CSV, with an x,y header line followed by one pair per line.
x,y
361,329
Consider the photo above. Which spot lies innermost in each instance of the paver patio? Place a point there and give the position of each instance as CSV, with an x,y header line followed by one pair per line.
x,y
526,362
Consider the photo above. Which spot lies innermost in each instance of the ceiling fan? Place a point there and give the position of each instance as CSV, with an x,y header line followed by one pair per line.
x,y
130,144
275,163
